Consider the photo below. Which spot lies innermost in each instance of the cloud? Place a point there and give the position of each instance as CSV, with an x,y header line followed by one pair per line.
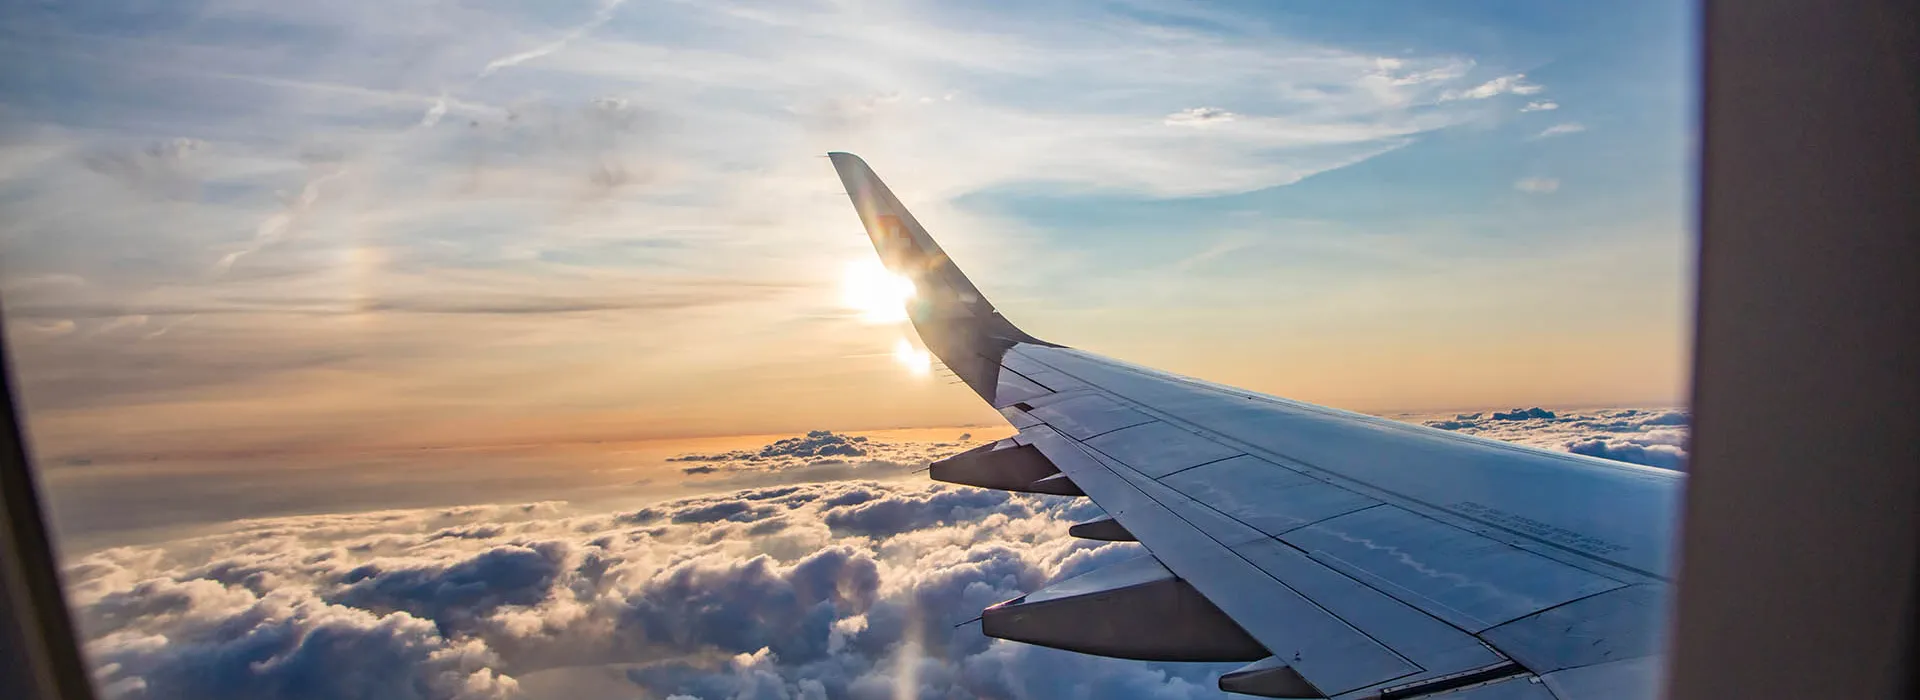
x,y
1515,84
816,443
600,17
1665,456
1396,72
1540,106
163,168
19,286
434,112
276,225
1200,116
1653,437
846,589
420,162
1537,185
423,303
857,592
453,595
1561,130
42,329
819,455
1524,414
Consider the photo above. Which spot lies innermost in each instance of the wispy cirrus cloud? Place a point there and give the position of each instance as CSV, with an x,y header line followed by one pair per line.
x,y
600,17
1199,116
1561,129
434,160
1537,185
1515,84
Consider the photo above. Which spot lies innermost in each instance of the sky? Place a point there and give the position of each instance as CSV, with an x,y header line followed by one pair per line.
x,y
241,228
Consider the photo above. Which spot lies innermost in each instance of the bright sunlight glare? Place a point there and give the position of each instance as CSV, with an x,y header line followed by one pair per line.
x,y
914,359
878,294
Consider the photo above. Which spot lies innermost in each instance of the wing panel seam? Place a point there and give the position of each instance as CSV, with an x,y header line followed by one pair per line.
x,y
1102,459
1197,466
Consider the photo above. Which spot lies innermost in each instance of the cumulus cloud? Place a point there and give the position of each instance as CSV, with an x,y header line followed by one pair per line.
x,y
1524,414
853,589
1540,106
1200,116
1537,185
1515,84
1666,456
1561,130
1654,437
816,443
856,593
819,451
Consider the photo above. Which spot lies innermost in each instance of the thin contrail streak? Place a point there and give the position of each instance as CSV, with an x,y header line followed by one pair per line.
x,y
440,104
274,227
599,18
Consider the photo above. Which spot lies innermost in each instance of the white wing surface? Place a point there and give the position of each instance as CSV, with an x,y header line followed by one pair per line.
x,y
1341,555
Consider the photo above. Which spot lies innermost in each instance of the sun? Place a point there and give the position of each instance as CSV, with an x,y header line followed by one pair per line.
x,y
879,295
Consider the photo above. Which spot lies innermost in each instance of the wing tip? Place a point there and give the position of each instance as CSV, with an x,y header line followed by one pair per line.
x,y
853,169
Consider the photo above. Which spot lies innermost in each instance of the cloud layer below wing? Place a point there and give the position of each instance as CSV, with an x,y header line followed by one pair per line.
x,y
843,589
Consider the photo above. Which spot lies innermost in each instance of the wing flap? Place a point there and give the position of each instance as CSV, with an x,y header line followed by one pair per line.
x,y
1620,624
1419,637
1327,651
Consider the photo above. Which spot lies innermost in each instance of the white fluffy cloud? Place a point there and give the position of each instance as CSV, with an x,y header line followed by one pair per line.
x,y
1540,106
818,447
1651,436
848,589
842,589
819,455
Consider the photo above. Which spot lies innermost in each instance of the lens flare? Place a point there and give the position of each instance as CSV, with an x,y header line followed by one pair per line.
x,y
879,295
916,360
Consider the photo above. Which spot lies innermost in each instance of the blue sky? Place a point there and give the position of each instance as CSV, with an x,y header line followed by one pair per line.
x,y
415,222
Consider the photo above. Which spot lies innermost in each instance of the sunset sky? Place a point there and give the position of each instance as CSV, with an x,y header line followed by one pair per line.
x,y
532,350
246,227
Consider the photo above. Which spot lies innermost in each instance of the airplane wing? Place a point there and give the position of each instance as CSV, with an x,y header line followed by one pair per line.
x,y
1342,555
